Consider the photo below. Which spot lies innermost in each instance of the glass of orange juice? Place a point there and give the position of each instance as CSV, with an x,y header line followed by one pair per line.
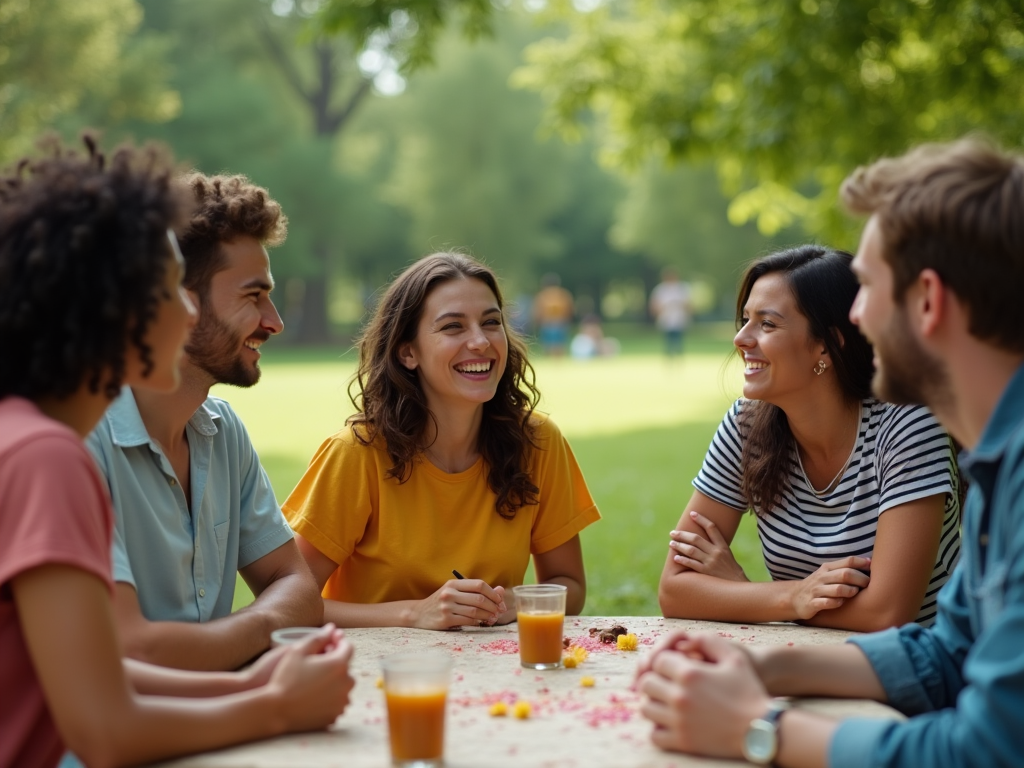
x,y
540,610
416,689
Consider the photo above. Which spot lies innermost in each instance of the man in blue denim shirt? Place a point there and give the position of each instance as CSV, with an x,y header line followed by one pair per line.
x,y
941,266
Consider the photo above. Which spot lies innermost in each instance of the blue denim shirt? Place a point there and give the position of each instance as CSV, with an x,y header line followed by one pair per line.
x,y
961,681
182,561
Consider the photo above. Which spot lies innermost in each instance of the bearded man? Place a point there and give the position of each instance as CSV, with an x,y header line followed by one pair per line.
x,y
193,505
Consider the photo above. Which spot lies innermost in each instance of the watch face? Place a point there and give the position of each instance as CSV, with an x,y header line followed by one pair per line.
x,y
760,743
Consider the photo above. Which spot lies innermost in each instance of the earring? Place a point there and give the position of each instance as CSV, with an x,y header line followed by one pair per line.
x,y
820,367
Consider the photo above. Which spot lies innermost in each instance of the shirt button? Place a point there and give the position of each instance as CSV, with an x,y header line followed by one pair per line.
x,y
172,481
202,593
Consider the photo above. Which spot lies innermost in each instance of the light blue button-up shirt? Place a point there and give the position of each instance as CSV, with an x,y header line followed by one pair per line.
x,y
963,679
182,563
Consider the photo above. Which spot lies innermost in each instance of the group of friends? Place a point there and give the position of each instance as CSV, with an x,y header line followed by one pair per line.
x,y
130,497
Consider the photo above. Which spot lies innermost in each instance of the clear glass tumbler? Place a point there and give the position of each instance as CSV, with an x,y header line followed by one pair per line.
x,y
540,610
416,689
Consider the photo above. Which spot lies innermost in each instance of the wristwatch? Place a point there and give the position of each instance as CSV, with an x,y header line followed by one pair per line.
x,y
761,742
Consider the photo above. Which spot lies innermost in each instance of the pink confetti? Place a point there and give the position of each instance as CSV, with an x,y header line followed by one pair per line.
x,y
725,634
501,647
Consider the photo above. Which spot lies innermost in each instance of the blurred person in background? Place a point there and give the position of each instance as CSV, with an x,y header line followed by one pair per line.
x,y
90,299
446,465
672,307
552,315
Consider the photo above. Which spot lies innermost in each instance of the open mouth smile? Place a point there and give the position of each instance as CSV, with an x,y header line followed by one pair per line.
x,y
483,366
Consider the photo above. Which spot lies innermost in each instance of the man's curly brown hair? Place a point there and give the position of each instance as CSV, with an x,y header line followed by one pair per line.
x,y
226,207
83,259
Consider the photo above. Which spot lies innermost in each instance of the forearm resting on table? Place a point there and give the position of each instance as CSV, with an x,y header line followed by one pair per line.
x,y
867,611
221,644
691,595
151,680
399,613
840,671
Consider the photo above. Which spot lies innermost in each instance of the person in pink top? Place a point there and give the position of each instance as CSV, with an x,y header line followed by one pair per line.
x,y
90,299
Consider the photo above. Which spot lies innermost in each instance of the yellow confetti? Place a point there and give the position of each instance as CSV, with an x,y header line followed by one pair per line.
x,y
380,682
574,656
587,682
522,709
499,709
626,642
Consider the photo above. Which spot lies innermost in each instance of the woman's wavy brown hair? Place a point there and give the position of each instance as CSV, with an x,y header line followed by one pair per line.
x,y
391,404
824,288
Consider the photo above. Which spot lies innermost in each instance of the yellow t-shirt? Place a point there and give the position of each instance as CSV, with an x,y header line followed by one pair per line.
x,y
400,541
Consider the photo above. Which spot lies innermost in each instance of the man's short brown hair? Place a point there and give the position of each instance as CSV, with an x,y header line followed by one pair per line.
x,y
957,209
226,207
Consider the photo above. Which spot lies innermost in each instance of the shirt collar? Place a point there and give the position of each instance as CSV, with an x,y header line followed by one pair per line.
x,y
128,430
1006,420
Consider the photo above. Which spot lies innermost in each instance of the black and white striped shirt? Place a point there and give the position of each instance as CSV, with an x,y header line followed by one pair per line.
x,y
902,454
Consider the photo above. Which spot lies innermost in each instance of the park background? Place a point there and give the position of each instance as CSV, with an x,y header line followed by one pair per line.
x,y
601,140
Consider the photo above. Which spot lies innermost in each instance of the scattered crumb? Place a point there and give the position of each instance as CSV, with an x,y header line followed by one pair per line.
x,y
608,634
626,642
587,681
522,709
498,709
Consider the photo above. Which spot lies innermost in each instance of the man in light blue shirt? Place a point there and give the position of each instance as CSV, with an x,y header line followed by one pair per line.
x,y
193,505
941,267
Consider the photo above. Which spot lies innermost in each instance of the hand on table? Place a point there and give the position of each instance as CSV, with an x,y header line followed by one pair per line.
x,y
312,679
713,558
829,586
460,603
701,693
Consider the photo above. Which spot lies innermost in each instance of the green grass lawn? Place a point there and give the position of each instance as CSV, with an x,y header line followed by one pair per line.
x,y
638,424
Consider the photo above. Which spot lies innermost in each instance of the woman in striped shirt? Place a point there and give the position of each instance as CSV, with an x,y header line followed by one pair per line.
x,y
857,501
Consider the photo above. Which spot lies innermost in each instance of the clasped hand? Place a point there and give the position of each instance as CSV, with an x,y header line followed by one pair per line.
x,y
710,556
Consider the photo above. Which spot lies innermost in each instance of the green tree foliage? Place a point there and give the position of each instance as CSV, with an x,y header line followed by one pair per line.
x,y
66,57
786,97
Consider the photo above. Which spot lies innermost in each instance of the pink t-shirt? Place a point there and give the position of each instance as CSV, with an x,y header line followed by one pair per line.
x,y
53,509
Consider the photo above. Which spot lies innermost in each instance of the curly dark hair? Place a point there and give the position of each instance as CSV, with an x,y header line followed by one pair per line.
x,y
391,402
824,288
83,257
226,207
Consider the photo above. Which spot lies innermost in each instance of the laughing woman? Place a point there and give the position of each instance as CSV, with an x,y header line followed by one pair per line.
x,y
445,466
857,501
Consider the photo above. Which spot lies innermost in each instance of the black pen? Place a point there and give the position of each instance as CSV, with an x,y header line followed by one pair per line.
x,y
457,574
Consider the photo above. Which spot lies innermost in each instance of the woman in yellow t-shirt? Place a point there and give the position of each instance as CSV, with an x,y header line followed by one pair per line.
x,y
445,467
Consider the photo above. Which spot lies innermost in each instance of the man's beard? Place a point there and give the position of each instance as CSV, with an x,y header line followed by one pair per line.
x,y
215,348
907,374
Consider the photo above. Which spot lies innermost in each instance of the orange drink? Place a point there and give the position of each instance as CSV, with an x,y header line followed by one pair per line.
x,y
416,725
416,690
540,610
540,638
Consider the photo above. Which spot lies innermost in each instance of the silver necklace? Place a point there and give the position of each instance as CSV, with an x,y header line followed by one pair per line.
x,y
835,480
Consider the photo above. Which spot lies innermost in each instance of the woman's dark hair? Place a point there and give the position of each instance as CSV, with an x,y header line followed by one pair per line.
x,y
83,255
824,288
391,402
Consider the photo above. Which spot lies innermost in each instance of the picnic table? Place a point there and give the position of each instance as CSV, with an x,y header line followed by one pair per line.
x,y
569,724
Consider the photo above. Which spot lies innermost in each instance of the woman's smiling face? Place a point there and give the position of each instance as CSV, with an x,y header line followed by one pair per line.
x,y
460,349
775,342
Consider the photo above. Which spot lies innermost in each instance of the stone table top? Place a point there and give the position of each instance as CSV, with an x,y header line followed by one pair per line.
x,y
570,725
